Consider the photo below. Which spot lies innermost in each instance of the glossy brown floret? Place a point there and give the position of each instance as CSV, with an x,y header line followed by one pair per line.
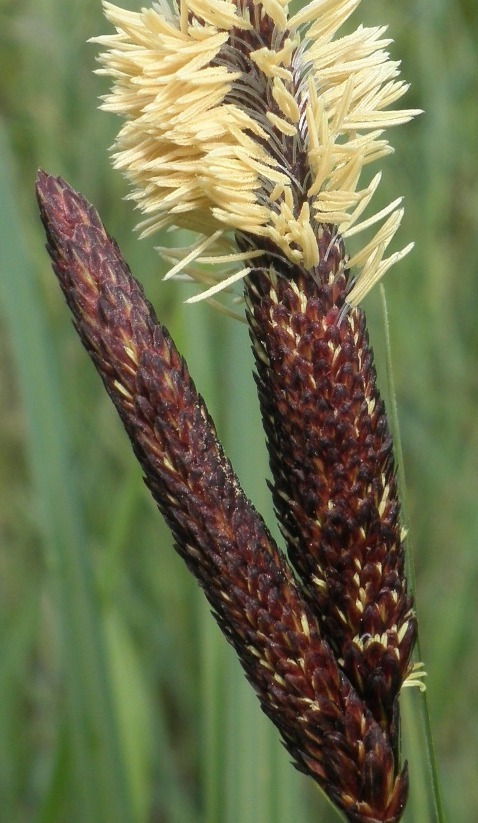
x,y
325,725
335,489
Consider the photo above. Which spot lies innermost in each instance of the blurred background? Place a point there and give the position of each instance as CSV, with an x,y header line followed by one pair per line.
x,y
119,698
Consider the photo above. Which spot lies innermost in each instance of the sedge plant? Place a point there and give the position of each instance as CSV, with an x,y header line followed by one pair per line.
x,y
250,128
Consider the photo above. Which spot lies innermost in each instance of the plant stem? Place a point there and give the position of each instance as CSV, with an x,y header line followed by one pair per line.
x,y
424,703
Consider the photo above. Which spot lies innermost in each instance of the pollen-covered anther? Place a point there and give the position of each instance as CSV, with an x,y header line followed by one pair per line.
x,y
285,100
283,125
274,63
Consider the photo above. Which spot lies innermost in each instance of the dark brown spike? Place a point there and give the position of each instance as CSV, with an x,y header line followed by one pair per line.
x,y
334,489
326,727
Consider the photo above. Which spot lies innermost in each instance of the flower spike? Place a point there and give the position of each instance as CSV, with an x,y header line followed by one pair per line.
x,y
251,129
335,490
239,119
328,730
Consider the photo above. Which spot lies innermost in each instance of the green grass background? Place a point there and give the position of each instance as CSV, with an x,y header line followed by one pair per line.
x,y
119,699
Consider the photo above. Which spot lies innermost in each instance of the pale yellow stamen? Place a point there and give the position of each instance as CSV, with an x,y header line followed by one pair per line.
x,y
281,124
273,63
212,148
238,275
285,100
413,679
